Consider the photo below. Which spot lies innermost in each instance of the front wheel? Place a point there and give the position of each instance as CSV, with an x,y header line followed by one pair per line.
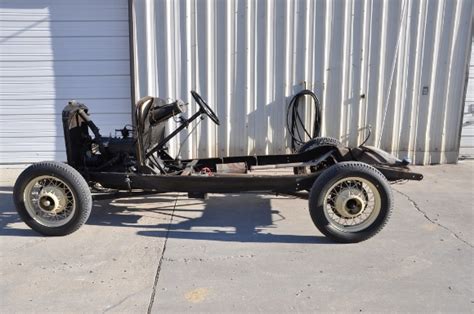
x,y
52,198
350,202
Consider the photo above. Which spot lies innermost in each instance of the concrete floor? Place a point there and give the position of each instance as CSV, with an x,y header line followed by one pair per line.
x,y
245,253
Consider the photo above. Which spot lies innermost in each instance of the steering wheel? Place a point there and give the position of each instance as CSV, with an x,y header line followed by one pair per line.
x,y
204,108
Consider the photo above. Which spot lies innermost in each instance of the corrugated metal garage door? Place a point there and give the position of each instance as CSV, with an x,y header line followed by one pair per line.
x,y
466,149
52,51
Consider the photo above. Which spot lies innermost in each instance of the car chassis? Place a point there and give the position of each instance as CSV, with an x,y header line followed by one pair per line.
x,y
339,179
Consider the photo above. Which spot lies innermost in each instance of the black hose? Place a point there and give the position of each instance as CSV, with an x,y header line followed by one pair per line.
x,y
369,133
295,124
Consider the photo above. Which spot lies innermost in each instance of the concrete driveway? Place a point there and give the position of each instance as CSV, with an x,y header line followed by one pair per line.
x,y
245,253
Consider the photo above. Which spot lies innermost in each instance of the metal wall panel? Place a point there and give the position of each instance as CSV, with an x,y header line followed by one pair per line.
x,y
362,58
52,51
466,149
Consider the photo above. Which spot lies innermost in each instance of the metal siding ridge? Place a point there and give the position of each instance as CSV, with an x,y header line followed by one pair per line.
x,y
220,48
425,82
253,71
346,69
279,76
195,85
433,80
422,15
365,55
257,116
188,74
354,103
310,59
210,136
150,48
463,32
270,105
410,67
443,71
230,93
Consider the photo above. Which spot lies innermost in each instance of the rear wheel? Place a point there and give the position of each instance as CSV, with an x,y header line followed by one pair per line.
x,y
350,202
52,198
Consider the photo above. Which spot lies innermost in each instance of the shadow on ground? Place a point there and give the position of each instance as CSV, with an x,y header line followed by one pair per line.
x,y
9,216
232,218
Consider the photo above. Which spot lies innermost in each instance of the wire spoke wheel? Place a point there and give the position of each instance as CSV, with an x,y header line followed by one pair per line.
x,y
49,201
52,198
352,204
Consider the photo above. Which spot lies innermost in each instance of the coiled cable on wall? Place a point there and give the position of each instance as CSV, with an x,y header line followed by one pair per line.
x,y
294,122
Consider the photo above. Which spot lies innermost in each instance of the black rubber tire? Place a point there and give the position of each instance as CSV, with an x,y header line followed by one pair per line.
x,y
75,182
312,143
319,141
335,173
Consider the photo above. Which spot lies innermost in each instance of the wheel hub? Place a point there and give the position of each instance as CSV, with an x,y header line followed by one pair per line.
x,y
52,199
350,202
